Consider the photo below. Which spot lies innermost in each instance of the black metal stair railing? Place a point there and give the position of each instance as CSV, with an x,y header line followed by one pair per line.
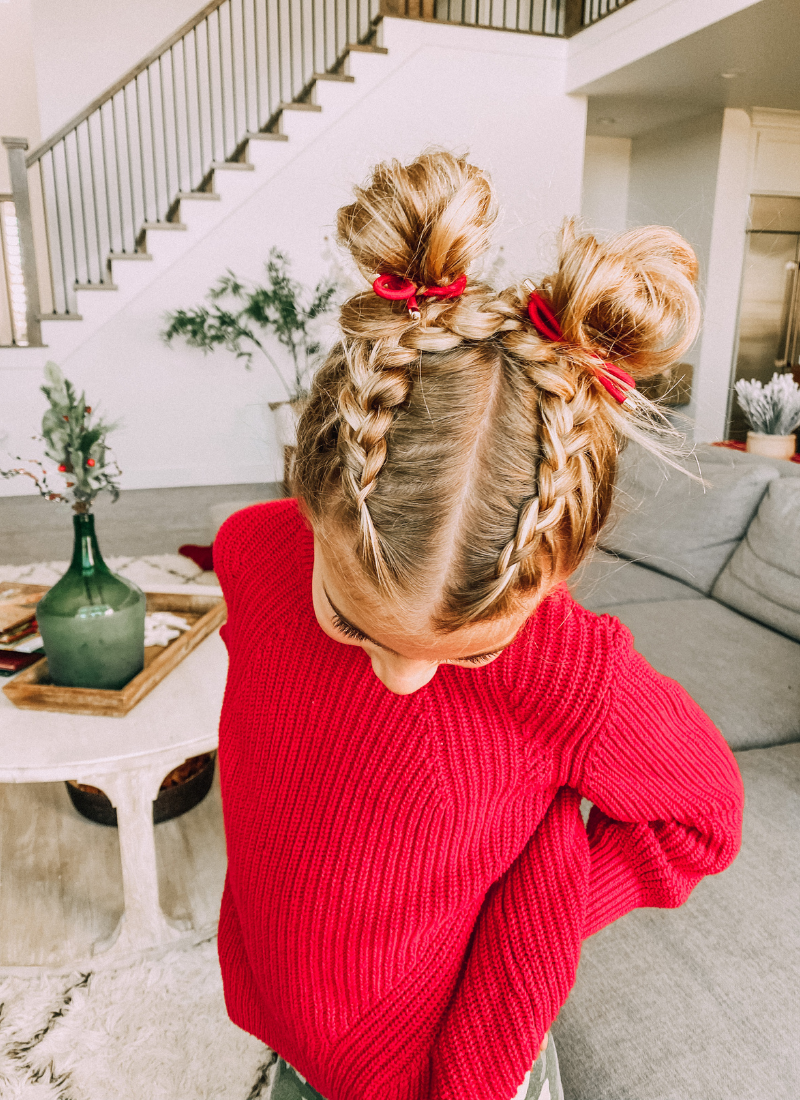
x,y
122,164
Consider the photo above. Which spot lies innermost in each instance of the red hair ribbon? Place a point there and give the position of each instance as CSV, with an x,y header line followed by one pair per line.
x,y
546,324
396,290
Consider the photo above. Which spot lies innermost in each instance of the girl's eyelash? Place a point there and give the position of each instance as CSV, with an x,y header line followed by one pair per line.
x,y
484,659
351,632
348,630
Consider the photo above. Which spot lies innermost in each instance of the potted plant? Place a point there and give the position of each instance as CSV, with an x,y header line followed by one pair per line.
x,y
240,314
773,413
91,620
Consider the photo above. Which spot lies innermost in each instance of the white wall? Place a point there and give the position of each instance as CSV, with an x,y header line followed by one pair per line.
x,y
83,46
190,419
19,112
606,177
673,181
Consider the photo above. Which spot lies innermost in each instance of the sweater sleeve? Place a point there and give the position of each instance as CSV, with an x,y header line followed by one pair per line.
x,y
667,810
667,794
521,963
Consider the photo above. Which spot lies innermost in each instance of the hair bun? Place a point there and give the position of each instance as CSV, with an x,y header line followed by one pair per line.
x,y
632,298
427,221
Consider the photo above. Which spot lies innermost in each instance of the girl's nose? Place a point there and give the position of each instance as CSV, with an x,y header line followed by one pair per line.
x,y
400,675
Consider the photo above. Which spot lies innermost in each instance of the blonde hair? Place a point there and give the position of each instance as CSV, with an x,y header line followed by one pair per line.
x,y
467,460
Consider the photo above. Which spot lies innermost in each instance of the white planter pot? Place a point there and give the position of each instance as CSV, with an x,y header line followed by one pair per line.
x,y
771,446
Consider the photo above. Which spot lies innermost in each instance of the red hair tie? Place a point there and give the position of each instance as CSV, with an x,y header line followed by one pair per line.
x,y
546,324
396,290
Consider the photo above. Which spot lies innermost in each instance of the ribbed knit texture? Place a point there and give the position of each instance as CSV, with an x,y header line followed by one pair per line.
x,y
409,877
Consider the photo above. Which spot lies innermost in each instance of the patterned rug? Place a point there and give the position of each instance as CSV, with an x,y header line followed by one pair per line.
x,y
147,572
154,1030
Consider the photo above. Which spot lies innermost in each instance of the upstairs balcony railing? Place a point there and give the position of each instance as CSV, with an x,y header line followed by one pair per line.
x,y
88,193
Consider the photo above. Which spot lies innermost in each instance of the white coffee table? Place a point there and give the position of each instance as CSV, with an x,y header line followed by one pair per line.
x,y
127,758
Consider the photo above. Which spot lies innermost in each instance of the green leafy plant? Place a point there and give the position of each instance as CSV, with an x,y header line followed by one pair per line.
x,y
772,409
241,314
75,440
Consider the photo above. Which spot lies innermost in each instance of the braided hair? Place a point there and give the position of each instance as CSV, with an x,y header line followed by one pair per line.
x,y
466,459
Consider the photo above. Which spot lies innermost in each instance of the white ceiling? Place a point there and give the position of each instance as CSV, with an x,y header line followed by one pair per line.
x,y
760,45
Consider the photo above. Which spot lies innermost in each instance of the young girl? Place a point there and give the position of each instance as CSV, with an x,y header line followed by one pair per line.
x,y
415,705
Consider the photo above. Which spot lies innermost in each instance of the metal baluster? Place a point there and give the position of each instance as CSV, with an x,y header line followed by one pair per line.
x,y
199,100
63,143
77,132
325,36
164,136
105,180
153,143
268,113
94,196
222,84
292,85
145,204
244,74
314,39
175,118
257,63
50,272
52,156
280,50
130,170
119,178
213,138
302,45
233,80
188,112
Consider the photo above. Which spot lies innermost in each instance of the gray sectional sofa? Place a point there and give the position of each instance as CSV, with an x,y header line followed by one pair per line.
x,y
703,1002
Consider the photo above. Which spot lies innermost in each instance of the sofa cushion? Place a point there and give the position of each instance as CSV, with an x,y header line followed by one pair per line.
x,y
701,1002
605,580
709,455
684,528
762,579
745,676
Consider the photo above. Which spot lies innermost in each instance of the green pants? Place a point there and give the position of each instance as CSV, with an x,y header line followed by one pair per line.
x,y
542,1081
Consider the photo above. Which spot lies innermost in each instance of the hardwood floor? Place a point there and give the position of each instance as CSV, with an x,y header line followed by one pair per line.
x,y
142,521
60,880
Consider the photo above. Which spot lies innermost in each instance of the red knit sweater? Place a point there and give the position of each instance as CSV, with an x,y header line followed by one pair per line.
x,y
409,876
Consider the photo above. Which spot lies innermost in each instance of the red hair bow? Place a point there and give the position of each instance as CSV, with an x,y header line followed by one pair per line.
x,y
396,290
546,324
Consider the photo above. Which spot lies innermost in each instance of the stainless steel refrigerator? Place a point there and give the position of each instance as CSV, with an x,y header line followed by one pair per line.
x,y
769,310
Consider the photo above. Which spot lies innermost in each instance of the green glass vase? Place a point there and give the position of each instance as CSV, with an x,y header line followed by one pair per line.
x,y
92,620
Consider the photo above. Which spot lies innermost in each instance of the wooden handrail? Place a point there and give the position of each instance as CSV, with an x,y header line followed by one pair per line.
x,y
118,85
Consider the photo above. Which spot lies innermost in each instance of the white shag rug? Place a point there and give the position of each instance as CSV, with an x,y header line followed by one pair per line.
x,y
154,1030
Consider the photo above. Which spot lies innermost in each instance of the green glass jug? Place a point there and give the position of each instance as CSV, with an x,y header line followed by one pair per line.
x,y
92,620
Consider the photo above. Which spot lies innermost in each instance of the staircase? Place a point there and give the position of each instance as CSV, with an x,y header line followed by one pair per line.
x,y
151,163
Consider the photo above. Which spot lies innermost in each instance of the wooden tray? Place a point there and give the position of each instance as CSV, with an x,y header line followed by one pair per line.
x,y
32,689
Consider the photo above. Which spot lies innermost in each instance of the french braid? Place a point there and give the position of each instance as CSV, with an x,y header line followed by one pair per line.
x,y
469,460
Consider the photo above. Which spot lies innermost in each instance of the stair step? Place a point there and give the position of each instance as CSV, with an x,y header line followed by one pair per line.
x,y
197,195
237,165
343,78
94,286
128,256
263,135
293,106
61,316
362,47
162,225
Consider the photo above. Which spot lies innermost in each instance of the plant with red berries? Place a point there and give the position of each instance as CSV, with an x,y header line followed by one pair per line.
x,y
76,441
